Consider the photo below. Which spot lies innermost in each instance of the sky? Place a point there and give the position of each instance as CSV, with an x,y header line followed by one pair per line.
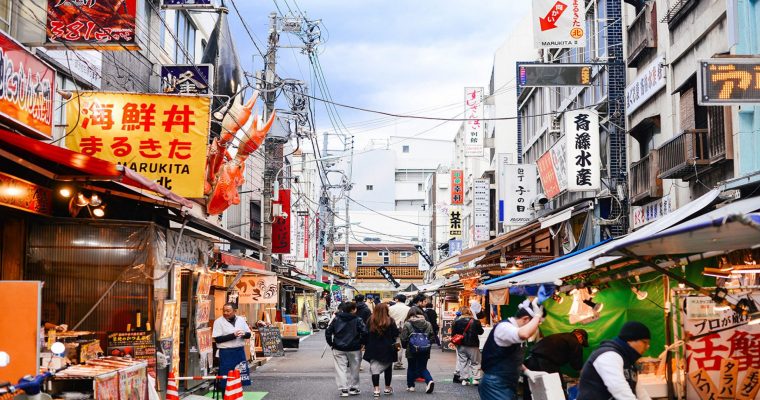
x,y
411,57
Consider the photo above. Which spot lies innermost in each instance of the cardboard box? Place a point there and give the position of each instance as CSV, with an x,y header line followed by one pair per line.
x,y
290,330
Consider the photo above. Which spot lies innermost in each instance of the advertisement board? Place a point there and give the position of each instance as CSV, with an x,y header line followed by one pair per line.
x,y
728,81
257,290
457,187
559,24
281,225
537,75
481,209
186,78
519,182
583,156
101,24
647,83
473,127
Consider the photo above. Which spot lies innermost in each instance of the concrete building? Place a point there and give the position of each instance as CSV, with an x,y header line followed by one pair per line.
x,y
401,260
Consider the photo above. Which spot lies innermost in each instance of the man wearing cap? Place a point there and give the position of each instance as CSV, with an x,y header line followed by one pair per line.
x,y
610,371
553,351
502,360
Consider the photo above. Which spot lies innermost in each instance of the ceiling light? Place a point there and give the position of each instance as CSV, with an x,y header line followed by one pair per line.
x,y
13,191
81,200
749,269
65,192
99,212
640,294
95,200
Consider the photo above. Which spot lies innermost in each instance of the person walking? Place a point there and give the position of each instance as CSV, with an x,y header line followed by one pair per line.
x,y
610,371
380,350
552,352
466,331
432,317
503,354
398,312
362,309
345,336
416,338
229,333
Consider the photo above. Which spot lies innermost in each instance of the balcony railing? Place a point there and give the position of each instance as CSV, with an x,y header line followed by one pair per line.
x,y
718,149
642,34
678,10
645,185
684,155
397,272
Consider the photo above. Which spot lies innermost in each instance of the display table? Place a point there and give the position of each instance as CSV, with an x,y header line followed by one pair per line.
x,y
105,378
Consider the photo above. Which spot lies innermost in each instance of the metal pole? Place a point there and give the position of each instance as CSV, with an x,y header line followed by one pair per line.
x,y
270,148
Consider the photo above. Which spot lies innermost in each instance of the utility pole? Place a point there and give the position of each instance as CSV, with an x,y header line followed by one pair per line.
x,y
271,149
347,188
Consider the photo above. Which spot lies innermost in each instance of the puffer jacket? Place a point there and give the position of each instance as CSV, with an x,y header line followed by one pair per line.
x,y
416,324
346,332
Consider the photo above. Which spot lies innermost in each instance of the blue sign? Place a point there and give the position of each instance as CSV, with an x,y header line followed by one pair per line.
x,y
186,79
455,247
187,4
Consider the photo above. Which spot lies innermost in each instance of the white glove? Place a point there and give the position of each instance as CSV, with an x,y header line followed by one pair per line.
x,y
532,375
537,308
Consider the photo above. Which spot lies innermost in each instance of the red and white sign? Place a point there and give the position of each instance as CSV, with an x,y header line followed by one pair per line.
x,y
26,89
305,236
457,187
102,24
281,225
559,23
552,169
473,127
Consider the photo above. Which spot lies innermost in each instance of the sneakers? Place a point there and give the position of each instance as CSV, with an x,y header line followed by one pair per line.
x,y
430,387
457,379
410,389
470,382
420,380
398,366
354,391
344,393
388,391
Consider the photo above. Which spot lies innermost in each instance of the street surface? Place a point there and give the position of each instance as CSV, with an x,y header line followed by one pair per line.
x,y
303,375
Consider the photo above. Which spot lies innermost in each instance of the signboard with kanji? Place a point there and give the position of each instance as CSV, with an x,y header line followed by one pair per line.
x,y
281,225
163,137
481,209
473,127
537,75
102,24
583,157
552,169
186,78
728,81
519,183
388,276
457,187
455,222
559,24
26,196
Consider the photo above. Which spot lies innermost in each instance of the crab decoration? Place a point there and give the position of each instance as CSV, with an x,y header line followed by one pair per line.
x,y
224,174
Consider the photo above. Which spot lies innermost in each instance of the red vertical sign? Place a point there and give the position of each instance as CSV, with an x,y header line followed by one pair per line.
x,y
457,187
305,236
281,225
548,175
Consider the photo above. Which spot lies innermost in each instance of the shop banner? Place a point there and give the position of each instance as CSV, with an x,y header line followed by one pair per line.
x,y
455,222
101,24
281,225
519,183
473,127
652,211
455,247
388,276
163,137
646,84
204,341
133,383
27,86
559,24
583,158
107,386
257,290
139,346
481,209
720,342
168,322
186,78
204,285
457,187
306,237
26,196
202,313
552,169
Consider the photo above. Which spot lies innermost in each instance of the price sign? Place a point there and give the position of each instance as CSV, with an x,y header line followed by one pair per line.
x,y
271,342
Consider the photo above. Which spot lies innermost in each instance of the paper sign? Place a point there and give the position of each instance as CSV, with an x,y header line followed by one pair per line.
x,y
729,374
559,23
202,312
704,386
204,340
750,384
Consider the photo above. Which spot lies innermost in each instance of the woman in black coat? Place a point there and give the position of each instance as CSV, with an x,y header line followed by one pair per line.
x,y
380,350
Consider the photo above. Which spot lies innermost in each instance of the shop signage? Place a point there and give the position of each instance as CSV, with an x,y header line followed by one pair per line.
x,y
139,346
257,290
583,158
187,4
133,383
168,321
700,307
186,78
473,127
481,204
646,84
281,225
163,137
271,341
538,75
519,191
204,340
457,187
202,312
388,276
26,196
26,89
455,222
85,65
204,285
552,169
642,215
728,81
305,236
559,24
106,386
101,24
455,247
503,160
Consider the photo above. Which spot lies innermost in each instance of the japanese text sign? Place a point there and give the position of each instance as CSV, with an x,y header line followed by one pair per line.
x,y
481,212
646,84
26,196
281,225
559,23
257,290
163,137
457,187
388,276
26,89
728,81
519,182
473,127
538,75
186,79
552,169
455,222
583,158
103,24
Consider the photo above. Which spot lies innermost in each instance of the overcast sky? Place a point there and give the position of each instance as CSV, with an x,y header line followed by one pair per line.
x,y
400,57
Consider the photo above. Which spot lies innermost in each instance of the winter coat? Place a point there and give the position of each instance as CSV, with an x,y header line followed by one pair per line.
x,y
363,311
416,324
380,347
471,337
346,332
432,317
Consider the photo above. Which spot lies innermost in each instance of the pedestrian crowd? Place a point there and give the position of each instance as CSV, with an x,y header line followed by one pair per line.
x,y
386,334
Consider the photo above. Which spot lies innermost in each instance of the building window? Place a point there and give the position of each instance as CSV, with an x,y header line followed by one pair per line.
x,y
5,15
184,52
360,257
419,187
405,254
386,257
338,255
255,227
162,28
405,149
370,187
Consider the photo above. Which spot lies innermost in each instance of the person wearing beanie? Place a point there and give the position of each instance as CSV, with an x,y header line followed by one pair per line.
x,y
610,371
552,352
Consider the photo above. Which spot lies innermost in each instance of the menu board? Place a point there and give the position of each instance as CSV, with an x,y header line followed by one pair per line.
x,y
271,341
446,325
139,346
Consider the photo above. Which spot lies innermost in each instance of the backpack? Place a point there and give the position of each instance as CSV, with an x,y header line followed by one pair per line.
x,y
418,342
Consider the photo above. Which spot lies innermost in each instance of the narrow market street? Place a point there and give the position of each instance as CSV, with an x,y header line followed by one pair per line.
x,y
303,374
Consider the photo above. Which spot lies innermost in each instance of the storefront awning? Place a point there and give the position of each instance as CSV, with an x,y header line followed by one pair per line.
x,y
322,285
62,164
583,260
301,284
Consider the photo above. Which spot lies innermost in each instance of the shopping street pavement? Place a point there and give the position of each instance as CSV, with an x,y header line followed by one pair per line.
x,y
303,374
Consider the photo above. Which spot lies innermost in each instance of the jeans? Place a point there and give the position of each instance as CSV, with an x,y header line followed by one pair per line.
x,y
468,362
494,387
417,369
347,368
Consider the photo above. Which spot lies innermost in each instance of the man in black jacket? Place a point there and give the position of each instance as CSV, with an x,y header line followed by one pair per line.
x,y
552,352
362,309
345,336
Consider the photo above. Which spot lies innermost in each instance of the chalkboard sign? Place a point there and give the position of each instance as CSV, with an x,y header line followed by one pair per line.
x,y
271,342
139,346
446,326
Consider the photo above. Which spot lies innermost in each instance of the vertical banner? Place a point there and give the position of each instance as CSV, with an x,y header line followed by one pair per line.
x,y
583,159
457,187
455,230
305,236
163,137
101,24
552,169
520,190
481,211
473,127
281,225
503,161
559,23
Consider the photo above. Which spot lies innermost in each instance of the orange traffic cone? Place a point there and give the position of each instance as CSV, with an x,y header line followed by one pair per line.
x,y
234,390
172,393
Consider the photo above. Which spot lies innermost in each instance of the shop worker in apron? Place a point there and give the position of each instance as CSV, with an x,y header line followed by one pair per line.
x,y
230,333
610,371
502,360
